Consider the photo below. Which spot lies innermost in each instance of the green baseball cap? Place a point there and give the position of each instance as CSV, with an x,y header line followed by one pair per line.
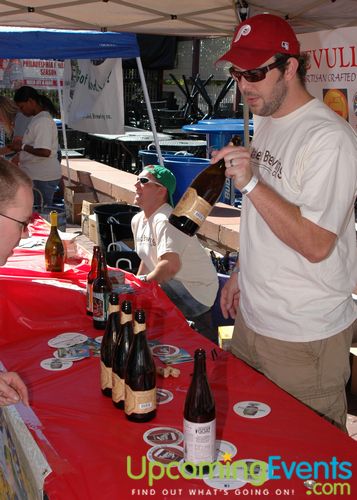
x,y
165,177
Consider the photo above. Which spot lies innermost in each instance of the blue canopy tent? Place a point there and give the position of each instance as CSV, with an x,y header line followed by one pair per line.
x,y
37,43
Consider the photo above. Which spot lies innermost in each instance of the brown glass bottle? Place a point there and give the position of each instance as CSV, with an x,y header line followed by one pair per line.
x,y
120,354
101,290
200,197
112,331
199,425
140,377
90,278
54,249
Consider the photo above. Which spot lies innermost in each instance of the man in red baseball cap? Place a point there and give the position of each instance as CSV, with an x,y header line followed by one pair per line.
x,y
292,297
258,39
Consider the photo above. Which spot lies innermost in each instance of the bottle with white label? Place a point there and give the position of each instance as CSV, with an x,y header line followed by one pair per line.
x,y
199,425
140,377
199,198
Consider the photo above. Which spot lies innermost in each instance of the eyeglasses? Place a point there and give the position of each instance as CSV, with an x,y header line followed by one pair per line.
x,y
255,75
23,224
145,180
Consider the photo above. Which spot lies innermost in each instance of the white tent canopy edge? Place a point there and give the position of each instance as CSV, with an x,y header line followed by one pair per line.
x,y
201,18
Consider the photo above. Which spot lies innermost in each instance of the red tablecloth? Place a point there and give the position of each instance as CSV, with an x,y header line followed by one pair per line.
x,y
87,441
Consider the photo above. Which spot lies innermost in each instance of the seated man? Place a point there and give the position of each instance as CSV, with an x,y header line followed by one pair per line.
x,y
176,261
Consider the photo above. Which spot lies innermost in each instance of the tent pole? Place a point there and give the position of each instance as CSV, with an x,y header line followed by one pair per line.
x,y
148,106
63,121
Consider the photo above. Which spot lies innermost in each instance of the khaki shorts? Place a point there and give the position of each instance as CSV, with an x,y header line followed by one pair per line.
x,y
314,372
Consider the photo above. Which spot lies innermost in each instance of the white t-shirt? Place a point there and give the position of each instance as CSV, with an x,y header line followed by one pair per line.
x,y
310,158
41,133
155,236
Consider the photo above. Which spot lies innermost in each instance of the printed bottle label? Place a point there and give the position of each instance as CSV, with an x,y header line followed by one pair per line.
x,y
118,388
90,297
192,206
139,401
125,318
105,376
200,441
100,306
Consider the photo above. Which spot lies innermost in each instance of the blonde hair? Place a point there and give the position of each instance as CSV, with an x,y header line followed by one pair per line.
x,y
8,112
11,178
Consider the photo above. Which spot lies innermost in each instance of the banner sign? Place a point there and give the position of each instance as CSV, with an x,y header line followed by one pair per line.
x,y
37,73
332,70
93,96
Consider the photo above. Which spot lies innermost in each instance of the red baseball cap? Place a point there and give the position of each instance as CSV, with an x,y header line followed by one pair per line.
x,y
259,38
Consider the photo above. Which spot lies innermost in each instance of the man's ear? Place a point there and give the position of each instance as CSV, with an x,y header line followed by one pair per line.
x,y
291,68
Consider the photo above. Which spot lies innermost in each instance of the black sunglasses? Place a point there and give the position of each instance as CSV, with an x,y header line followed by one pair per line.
x,y
23,224
145,180
254,75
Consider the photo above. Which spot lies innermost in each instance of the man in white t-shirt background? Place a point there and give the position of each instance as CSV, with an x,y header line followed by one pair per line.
x,y
292,301
176,261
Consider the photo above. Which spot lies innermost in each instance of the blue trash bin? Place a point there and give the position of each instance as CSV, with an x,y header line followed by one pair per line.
x,y
150,156
185,170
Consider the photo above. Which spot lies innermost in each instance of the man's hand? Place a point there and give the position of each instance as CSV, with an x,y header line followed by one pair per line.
x,y
237,161
230,297
12,389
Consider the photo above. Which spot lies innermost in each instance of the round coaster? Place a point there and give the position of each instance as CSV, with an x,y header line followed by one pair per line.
x,y
163,435
251,409
163,396
165,350
68,357
253,471
223,483
165,454
225,450
55,364
67,339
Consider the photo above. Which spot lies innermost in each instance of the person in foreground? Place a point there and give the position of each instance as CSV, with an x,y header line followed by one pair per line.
x,y
16,201
292,303
176,261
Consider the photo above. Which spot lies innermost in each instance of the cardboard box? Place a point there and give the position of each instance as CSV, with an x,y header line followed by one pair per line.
x,y
225,334
73,198
93,229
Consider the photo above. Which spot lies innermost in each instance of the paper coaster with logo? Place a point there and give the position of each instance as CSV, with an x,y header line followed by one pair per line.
x,y
225,450
71,353
165,454
55,364
221,479
251,409
229,477
67,339
164,350
253,471
163,396
163,435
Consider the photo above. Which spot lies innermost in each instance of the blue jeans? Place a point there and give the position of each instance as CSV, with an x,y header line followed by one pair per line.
x,y
193,310
47,189
183,300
